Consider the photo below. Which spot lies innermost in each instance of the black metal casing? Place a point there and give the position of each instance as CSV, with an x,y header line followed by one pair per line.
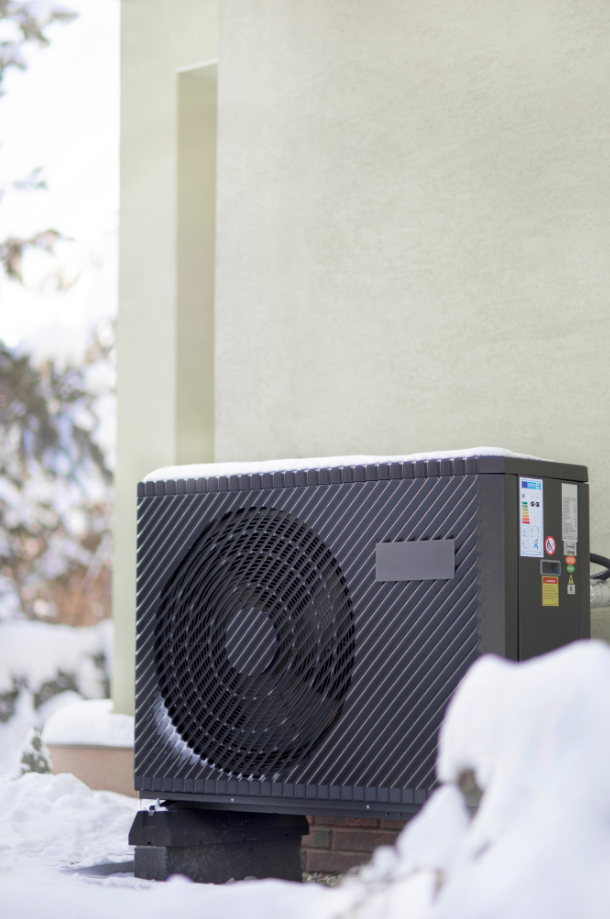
x,y
331,701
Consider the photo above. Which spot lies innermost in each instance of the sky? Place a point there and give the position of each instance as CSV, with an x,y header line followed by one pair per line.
x,y
62,114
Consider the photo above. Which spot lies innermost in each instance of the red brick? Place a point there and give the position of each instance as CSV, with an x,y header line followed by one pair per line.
x,y
365,822
357,840
332,862
392,824
318,838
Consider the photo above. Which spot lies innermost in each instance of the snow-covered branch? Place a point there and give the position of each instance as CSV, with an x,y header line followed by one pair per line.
x,y
26,22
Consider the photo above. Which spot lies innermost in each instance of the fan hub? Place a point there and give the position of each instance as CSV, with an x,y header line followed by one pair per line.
x,y
251,641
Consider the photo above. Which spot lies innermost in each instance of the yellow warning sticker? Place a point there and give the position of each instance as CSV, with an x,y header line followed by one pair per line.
x,y
550,591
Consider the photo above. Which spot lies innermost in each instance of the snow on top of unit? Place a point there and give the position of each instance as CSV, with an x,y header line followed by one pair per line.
x,y
89,723
205,470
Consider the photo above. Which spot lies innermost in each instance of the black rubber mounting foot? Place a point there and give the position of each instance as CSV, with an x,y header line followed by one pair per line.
x,y
213,847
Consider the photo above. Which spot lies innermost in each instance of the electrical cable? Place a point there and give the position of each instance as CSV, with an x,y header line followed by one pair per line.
x,y
605,562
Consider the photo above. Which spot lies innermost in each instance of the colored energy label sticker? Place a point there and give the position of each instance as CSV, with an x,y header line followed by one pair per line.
x,y
570,560
569,517
531,518
550,591
550,545
570,568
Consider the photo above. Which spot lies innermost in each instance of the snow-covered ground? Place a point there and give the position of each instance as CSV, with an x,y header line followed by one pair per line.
x,y
519,829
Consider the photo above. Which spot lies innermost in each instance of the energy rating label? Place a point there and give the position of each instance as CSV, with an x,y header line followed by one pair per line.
x,y
531,517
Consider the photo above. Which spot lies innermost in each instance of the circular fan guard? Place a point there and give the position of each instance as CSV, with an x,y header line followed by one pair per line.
x,y
255,722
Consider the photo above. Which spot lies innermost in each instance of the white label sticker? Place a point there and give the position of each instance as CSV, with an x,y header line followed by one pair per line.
x,y
569,518
531,517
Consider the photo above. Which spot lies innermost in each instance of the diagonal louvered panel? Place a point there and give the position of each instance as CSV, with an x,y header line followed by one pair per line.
x,y
271,663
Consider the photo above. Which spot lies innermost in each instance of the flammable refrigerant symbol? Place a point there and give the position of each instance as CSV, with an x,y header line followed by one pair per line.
x,y
550,545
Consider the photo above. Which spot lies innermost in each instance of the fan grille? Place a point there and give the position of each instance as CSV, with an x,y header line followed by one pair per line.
x,y
260,591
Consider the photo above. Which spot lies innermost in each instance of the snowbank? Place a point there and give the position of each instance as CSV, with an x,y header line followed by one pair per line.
x,y
118,899
528,743
204,470
56,821
531,740
89,722
53,826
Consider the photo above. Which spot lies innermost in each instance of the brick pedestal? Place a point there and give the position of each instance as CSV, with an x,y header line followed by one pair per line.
x,y
336,844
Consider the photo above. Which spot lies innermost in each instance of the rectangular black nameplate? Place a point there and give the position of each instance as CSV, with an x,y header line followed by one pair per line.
x,y
432,560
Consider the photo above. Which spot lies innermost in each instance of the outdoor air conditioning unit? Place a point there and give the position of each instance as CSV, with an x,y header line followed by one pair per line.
x,y
300,631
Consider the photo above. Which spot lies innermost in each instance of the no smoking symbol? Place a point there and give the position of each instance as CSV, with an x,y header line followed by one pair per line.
x,y
550,545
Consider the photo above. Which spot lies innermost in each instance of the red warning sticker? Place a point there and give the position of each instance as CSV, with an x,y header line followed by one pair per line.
x,y
550,545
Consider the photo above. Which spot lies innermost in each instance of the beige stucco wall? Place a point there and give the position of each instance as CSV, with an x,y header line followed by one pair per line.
x,y
412,238
195,256
157,373
413,230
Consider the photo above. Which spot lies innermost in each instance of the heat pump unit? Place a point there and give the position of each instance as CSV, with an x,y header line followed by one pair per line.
x,y
301,626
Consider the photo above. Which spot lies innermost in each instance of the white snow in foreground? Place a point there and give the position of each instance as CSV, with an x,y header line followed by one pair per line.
x,y
89,722
53,821
203,470
535,737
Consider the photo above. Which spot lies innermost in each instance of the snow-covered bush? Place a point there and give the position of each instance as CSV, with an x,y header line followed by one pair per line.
x,y
55,489
43,667
35,756
24,22
54,479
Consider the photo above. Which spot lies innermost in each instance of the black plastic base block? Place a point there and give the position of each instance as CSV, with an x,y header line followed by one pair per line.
x,y
212,847
220,863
